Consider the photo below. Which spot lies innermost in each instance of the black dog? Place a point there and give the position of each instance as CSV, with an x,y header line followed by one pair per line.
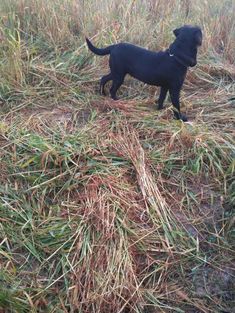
x,y
165,68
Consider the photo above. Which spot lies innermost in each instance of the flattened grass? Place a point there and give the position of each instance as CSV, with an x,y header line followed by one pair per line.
x,y
113,206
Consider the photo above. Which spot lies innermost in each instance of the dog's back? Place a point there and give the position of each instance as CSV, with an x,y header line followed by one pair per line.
x,y
147,66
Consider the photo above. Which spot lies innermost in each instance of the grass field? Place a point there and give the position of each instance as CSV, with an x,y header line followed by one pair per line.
x,y
114,207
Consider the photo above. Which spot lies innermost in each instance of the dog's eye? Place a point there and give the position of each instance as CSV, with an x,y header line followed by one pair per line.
x,y
198,38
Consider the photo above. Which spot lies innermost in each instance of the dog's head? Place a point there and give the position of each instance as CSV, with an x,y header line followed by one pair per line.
x,y
188,38
191,34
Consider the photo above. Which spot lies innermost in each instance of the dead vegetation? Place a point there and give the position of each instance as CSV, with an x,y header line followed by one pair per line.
x,y
113,206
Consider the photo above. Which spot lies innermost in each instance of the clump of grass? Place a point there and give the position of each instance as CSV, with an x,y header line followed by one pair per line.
x,y
113,206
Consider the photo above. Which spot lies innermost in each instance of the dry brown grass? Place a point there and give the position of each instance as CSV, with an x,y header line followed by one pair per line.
x,y
112,206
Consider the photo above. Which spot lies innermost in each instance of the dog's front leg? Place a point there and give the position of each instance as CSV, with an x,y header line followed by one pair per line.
x,y
162,98
175,99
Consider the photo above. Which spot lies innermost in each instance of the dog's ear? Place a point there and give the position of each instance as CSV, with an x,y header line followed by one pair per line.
x,y
176,31
198,37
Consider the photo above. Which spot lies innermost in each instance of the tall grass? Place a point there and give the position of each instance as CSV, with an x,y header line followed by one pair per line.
x,y
112,206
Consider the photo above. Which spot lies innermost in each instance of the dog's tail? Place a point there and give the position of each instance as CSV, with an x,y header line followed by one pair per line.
x,y
98,51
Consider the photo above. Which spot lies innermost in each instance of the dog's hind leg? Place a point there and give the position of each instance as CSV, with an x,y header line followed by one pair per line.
x,y
162,98
116,84
175,96
103,82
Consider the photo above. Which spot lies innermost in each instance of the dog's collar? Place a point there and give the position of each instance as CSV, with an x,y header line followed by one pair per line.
x,y
177,58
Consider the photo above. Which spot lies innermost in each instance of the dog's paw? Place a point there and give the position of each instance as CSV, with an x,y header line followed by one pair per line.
x,y
115,98
183,118
179,116
159,107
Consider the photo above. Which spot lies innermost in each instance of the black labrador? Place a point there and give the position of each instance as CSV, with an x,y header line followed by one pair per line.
x,y
166,69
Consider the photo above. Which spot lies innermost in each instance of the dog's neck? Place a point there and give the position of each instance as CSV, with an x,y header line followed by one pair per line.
x,y
189,59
